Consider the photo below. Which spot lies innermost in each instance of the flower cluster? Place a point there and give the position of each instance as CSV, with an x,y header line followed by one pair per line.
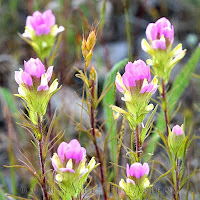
x,y
137,87
136,181
161,37
70,165
41,32
177,141
34,87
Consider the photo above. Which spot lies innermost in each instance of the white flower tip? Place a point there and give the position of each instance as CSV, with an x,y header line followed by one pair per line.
x,y
149,107
69,164
59,178
122,183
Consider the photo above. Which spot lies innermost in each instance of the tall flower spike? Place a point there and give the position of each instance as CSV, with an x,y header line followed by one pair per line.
x,y
137,88
41,31
34,87
136,181
161,37
70,165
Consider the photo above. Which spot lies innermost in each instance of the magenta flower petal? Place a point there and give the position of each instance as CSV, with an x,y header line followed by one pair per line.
x,y
128,180
147,88
49,73
62,148
159,44
26,78
151,31
146,168
42,30
118,87
128,79
66,170
18,77
127,170
42,87
49,18
177,130
137,170
34,67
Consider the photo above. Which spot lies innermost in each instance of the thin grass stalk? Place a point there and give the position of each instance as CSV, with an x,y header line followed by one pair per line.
x,y
128,35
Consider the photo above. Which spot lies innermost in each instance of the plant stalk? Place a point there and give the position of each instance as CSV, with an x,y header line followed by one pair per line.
x,y
177,180
92,118
44,189
164,105
137,141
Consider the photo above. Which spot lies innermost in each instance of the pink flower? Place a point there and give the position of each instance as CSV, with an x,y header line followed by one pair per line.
x,y
34,67
69,154
177,130
34,72
161,28
137,170
41,22
136,77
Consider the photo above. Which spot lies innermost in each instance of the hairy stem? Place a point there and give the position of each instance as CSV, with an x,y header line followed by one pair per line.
x,y
44,189
137,141
92,118
165,109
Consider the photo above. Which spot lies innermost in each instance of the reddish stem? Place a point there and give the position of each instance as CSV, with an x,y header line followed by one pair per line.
x,y
165,107
137,141
95,142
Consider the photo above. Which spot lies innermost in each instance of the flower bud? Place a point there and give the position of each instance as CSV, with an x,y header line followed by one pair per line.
x,y
91,40
176,141
84,48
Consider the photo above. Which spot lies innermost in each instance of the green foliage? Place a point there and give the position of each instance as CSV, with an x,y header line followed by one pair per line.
x,y
109,99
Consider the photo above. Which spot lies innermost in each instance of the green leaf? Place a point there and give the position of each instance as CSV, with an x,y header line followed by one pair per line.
x,y
180,84
109,99
2,196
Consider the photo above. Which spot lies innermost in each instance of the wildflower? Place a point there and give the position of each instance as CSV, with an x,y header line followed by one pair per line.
x,y
136,181
34,87
177,141
161,37
41,31
70,165
137,87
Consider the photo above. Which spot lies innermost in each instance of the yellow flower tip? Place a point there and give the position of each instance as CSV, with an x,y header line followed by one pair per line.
x,y
91,164
145,45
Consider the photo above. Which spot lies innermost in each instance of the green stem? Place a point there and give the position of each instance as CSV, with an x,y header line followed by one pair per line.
x,y
127,30
42,161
